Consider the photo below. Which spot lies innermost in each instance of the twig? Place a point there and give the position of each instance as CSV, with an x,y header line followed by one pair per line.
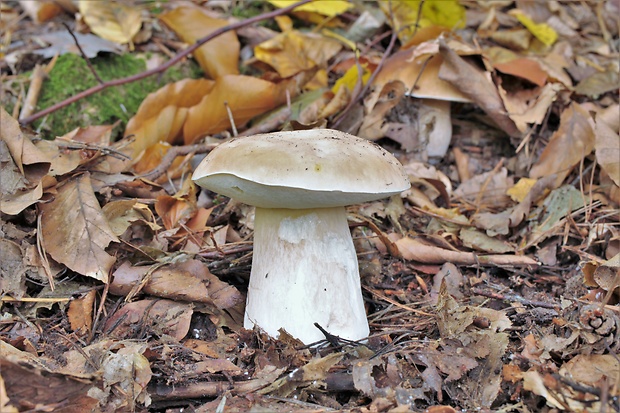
x,y
88,62
161,68
514,297
172,153
36,81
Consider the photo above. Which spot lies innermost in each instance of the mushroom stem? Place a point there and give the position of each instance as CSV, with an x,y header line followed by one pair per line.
x,y
435,126
305,271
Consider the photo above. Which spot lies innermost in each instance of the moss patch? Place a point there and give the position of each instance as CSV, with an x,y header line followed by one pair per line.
x,y
71,75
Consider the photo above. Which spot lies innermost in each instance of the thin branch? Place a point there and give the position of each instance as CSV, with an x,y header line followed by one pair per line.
x,y
88,62
163,67
171,155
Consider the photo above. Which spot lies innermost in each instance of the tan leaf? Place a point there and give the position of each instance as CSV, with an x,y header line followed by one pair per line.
x,y
80,313
162,114
217,57
111,20
122,213
75,231
607,149
573,141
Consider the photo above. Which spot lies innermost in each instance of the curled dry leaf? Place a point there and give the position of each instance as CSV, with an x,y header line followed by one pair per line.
x,y
245,96
607,150
80,313
415,250
22,167
569,145
74,230
162,114
190,281
477,86
217,57
111,20
150,316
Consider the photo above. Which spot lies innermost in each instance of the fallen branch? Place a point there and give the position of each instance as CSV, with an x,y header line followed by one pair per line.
x,y
171,155
163,67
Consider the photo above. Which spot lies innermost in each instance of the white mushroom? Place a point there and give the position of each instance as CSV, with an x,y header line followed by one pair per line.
x,y
304,266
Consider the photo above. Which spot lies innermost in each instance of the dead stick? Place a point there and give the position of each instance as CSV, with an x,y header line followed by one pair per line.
x,y
163,67
513,297
171,155
90,65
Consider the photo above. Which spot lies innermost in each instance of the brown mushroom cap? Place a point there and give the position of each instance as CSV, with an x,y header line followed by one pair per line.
x,y
315,168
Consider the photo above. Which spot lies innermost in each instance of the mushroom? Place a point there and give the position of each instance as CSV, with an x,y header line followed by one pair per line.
x,y
304,265
421,77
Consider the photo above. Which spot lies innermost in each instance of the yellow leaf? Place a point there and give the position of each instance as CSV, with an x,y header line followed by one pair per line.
x,y
327,8
443,13
542,31
291,52
520,190
351,76
111,20
217,57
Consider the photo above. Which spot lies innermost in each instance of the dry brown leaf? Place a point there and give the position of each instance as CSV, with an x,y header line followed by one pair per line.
x,y
189,281
40,11
80,313
217,57
111,20
75,231
22,164
569,145
150,316
373,125
607,150
524,68
122,213
162,114
526,107
477,86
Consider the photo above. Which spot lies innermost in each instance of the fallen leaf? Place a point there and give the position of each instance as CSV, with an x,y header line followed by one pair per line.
x,y
472,238
245,96
521,189
541,31
607,150
74,230
122,213
138,318
80,313
414,250
162,114
331,8
61,42
111,20
189,281
292,51
569,145
476,85
217,57
41,11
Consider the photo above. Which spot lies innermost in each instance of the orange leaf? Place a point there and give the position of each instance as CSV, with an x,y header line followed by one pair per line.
x,y
161,116
217,57
246,97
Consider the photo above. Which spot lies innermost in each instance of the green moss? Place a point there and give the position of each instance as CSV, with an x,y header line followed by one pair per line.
x,y
71,75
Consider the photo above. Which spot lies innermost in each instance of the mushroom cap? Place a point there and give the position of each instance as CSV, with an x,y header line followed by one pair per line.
x,y
315,168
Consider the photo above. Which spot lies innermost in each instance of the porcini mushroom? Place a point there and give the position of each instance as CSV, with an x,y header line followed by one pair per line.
x,y
421,78
304,265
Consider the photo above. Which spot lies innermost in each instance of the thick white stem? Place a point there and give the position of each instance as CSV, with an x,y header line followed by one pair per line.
x,y
305,271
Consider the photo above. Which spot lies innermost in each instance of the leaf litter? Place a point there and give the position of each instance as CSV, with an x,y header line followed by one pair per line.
x,y
492,284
